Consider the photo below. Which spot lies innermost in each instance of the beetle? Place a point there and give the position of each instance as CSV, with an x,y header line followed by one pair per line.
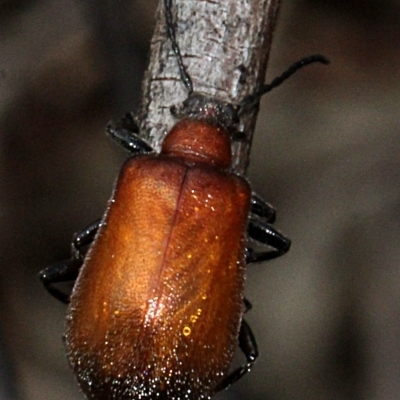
x,y
157,306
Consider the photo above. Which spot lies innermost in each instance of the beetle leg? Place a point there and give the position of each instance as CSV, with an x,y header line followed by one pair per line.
x,y
262,209
61,272
268,235
84,238
125,133
248,345
247,305
68,270
253,256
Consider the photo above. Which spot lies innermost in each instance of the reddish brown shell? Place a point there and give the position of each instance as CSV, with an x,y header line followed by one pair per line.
x,y
156,309
199,141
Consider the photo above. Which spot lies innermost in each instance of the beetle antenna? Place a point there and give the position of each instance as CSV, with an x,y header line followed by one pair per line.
x,y
187,81
253,98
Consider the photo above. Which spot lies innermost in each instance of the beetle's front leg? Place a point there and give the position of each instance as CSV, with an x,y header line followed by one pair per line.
x,y
248,345
125,131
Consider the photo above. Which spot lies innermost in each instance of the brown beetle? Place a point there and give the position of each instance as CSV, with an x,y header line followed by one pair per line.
x,y
158,302
156,310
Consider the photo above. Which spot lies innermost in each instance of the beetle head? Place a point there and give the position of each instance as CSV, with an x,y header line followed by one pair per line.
x,y
211,110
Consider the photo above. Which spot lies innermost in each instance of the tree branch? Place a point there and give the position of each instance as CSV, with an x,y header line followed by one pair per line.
x,y
225,46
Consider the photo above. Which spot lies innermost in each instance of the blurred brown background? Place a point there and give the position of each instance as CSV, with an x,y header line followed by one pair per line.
x,y
326,154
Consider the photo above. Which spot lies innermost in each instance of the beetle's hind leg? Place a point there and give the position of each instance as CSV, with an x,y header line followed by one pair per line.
x,y
248,345
125,133
262,216
66,271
